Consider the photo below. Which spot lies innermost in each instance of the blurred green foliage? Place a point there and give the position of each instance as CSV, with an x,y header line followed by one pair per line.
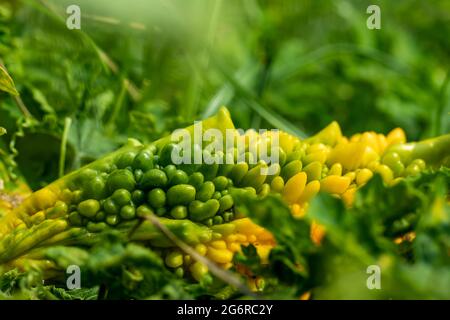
x,y
357,238
145,68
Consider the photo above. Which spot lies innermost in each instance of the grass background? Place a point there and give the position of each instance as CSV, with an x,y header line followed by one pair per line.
x,y
145,67
142,68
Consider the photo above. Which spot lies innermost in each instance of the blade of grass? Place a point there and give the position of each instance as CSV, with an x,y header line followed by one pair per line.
x,y
117,105
63,149
250,99
107,63
226,93
439,114
292,69
275,120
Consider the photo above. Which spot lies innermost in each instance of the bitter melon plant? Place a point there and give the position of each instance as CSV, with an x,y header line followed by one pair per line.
x,y
197,202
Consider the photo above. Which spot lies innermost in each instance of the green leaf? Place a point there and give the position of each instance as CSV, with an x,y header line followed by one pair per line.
x,y
6,82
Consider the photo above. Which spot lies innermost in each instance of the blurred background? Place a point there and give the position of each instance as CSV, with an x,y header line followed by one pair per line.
x,y
142,68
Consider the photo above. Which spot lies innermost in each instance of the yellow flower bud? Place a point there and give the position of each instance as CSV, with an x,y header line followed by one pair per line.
x,y
294,187
335,184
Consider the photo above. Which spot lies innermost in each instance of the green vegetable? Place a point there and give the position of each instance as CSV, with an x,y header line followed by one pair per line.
x,y
206,191
96,227
238,172
86,175
432,151
209,171
143,211
121,197
295,155
120,179
143,160
228,216
161,211
291,169
226,203
59,210
281,156
181,194
95,188
208,222
196,180
220,183
112,220
88,208
264,190
254,177
413,169
110,206
157,198
199,210
165,156
75,218
138,174
125,160
77,196
174,259
127,212
170,170
138,197
179,212
154,178
225,169
277,184
217,220
185,230
192,206
100,216
178,177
